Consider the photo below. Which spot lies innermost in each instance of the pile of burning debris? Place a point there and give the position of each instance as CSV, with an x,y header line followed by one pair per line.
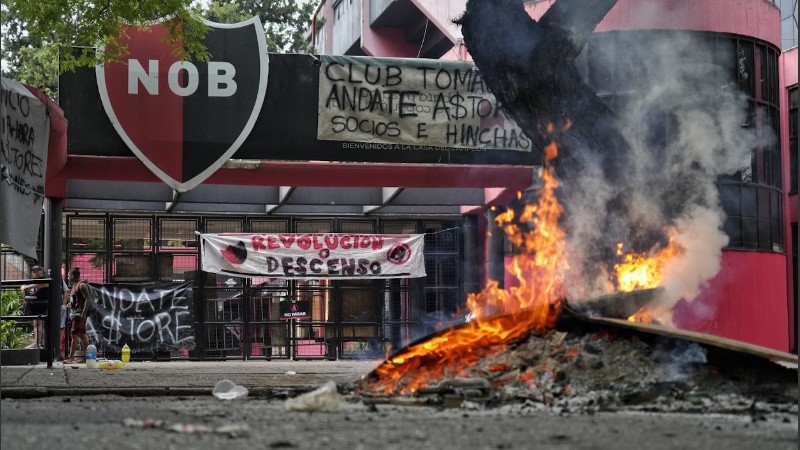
x,y
585,365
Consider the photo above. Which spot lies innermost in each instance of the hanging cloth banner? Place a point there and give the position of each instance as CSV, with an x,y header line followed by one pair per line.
x,y
24,136
146,316
307,256
411,104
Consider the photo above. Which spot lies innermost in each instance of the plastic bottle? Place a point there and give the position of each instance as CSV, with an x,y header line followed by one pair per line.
x,y
126,354
91,357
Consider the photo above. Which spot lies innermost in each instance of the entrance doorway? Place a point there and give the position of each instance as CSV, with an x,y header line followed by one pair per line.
x,y
239,318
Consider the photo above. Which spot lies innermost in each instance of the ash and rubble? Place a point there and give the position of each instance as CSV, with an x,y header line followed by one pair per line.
x,y
589,369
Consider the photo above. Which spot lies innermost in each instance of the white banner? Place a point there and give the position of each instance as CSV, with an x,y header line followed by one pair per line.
x,y
306,256
23,165
411,104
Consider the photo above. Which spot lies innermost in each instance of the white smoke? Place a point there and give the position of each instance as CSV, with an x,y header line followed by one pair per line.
x,y
706,139
698,236
683,122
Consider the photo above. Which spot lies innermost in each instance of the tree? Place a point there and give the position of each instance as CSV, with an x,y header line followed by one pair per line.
x,y
37,35
67,24
285,22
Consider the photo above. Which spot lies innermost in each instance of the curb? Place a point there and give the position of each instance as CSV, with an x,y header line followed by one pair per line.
x,y
33,392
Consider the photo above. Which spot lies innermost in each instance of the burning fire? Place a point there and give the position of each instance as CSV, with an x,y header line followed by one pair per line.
x,y
643,271
502,315
505,315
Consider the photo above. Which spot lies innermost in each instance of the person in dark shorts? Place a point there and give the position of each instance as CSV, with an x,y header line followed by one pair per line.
x,y
80,306
62,352
37,297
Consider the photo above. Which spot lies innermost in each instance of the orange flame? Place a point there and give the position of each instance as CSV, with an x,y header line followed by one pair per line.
x,y
502,315
505,315
642,271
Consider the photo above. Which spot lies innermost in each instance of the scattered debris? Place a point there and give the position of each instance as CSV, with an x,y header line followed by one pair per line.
x,y
325,398
188,428
235,430
586,368
228,390
110,364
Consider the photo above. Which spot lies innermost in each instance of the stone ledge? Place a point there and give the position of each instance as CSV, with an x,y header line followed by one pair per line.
x,y
20,357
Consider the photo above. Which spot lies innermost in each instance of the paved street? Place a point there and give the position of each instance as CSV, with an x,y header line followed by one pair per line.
x,y
176,377
151,405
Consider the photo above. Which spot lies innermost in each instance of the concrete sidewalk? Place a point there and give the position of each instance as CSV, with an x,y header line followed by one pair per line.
x,y
145,378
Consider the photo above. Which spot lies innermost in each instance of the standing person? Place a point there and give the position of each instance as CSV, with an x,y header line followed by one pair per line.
x,y
37,296
62,352
80,306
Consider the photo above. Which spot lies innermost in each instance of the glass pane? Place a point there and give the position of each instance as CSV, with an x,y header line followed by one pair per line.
x,y
725,57
269,226
352,226
749,203
749,232
399,227
765,234
223,226
730,199
177,267
313,226
734,231
131,268
775,200
87,234
132,234
764,203
777,236
177,235
441,237
92,266
745,67
793,166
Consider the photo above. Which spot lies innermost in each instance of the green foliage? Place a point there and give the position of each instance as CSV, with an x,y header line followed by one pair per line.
x,y
76,23
39,36
39,67
11,335
285,22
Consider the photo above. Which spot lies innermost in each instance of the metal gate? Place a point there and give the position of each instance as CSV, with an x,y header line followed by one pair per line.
x,y
242,319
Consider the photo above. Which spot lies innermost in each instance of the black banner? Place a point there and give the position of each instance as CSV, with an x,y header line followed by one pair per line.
x,y
148,317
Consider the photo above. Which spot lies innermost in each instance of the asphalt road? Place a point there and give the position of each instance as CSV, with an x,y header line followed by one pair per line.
x,y
115,422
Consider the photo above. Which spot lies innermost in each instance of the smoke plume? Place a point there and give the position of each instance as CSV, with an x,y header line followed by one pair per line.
x,y
684,122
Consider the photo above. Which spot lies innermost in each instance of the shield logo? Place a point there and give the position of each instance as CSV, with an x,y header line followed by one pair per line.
x,y
184,119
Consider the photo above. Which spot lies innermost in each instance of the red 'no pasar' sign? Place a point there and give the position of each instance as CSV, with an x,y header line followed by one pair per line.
x,y
295,310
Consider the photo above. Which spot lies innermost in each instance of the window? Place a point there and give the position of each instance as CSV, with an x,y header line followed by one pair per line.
x,y
86,247
442,288
751,196
177,245
793,139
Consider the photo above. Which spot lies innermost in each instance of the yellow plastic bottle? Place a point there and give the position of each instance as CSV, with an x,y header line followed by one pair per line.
x,y
126,353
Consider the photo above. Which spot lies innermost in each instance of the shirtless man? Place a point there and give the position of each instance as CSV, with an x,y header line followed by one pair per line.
x,y
81,305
